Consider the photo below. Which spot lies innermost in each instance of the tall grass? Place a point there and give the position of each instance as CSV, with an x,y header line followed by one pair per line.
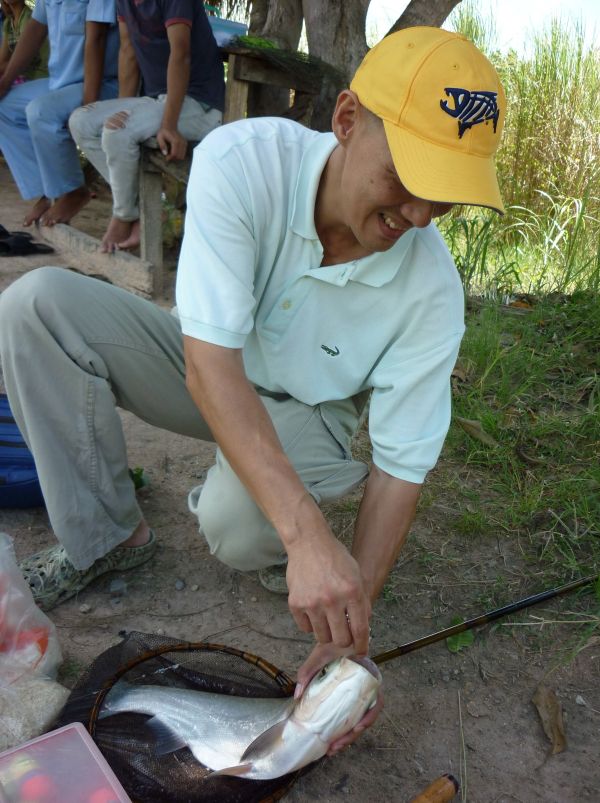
x,y
548,166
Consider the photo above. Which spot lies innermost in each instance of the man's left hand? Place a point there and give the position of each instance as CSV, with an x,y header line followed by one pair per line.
x,y
323,654
172,145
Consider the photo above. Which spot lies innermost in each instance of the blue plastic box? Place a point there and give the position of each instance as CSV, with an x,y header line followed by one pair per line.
x,y
226,30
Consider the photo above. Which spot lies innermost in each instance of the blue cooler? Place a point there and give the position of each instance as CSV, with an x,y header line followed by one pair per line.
x,y
226,30
19,485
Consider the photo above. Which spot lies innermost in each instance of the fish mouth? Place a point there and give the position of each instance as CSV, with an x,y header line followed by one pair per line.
x,y
367,664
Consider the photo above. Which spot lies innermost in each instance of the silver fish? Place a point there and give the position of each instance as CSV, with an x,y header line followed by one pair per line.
x,y
257,737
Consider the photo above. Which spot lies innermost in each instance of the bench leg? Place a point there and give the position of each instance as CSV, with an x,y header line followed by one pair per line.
x,y
151,240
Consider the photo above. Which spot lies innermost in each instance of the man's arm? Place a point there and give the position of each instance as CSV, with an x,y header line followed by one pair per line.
x,y
93,60
129,71
28,46
384,518
170,141
324,580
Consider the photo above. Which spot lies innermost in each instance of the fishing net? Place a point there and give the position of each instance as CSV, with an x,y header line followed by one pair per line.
x,y
128,744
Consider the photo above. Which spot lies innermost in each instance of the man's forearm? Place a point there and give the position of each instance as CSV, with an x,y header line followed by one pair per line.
x,y
178,78
129,71
386,513
243,429
93,60
27,48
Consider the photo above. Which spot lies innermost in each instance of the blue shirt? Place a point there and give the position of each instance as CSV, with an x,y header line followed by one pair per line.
x,y
65,20
250,277
147,22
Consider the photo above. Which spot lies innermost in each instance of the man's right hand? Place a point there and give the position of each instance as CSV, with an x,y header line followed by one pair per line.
x,y
327,594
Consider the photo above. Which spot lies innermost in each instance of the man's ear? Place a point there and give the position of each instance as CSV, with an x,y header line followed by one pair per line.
x,y
345,115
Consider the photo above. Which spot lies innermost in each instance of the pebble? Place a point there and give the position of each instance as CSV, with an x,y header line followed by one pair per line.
x,y
194,587
579,700
85,608
179,585
118,586
446,678
116,602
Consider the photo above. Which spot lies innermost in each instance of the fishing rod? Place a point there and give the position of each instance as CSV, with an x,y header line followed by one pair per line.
x,y
484,619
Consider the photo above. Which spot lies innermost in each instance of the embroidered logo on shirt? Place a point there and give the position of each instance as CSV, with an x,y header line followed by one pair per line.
x,y
331,352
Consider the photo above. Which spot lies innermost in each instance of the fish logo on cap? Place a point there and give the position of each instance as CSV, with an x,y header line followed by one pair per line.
x,y
471,108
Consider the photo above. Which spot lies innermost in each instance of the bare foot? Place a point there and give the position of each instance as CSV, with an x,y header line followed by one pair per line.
x,y
134,237
66,207
139,537
118,231
37,210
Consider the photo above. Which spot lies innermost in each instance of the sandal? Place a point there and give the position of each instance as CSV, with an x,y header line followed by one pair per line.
x,y
273,578
22,245
53,579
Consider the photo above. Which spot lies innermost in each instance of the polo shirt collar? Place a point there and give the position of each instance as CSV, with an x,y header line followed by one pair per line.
x,y
305,196
376,269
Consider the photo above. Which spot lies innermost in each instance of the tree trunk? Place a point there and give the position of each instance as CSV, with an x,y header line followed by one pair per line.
x,y
281,22
336,34
424,12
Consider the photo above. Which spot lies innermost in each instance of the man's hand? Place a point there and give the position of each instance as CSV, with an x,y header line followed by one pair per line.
x,y
327,594
172,145
323,654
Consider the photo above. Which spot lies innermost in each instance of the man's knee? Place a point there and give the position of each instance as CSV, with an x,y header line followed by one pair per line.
x,y
82,123
24,295
42,110
234,528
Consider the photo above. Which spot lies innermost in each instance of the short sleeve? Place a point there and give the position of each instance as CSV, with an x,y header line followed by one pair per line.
x,y
39,12
102,11
175,11
215,274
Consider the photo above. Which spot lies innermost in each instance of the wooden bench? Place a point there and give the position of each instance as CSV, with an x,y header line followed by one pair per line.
x,y
245,68
144,275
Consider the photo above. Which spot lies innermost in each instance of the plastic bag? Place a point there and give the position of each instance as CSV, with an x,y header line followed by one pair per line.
x,y
29,658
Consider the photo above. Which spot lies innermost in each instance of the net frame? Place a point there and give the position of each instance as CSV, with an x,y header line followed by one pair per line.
x,y
207,668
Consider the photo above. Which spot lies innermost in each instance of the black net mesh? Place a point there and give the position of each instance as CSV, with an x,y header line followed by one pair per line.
x,y
128,744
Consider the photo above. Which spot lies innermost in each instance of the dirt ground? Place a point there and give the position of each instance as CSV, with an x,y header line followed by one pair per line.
x,y
469,714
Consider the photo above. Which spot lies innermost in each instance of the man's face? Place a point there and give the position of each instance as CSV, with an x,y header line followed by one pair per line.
x,y
375,205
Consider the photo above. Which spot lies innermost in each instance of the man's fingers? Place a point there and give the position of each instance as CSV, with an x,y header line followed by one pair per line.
x,y
302,621
339,625
358,621
321,628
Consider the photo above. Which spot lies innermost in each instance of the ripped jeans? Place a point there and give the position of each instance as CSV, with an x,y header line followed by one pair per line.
x,y
115,151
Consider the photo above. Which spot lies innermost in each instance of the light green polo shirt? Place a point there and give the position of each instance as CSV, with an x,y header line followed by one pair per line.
x,y
250,278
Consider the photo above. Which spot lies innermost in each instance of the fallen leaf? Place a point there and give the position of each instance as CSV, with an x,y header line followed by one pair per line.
x,y
477,710
550,711
475,430
459,640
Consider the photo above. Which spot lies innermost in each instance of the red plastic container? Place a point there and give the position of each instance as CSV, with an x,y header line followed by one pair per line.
x,y
63,766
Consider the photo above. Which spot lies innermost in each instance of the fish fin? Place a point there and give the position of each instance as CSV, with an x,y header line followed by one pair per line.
x,y
263,744
238,770
166,740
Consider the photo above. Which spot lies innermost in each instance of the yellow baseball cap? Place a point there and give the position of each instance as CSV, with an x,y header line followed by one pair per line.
x,y
443,108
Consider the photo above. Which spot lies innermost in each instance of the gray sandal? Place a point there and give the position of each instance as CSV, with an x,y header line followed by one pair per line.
x,y
53,579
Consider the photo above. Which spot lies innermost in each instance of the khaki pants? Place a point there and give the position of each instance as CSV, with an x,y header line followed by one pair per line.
x,y
72,350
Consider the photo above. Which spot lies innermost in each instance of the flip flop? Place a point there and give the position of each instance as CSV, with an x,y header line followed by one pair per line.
x,y
16,245
5,234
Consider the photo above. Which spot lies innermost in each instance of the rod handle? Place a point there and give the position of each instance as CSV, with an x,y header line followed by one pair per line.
x,y
440,791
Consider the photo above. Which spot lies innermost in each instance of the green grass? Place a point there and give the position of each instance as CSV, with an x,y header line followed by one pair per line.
x,y
539,398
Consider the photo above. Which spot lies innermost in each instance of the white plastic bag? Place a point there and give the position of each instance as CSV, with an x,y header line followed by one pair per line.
x,y
30,655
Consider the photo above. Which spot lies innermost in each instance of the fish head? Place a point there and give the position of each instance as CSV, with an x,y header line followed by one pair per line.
x,y
338,697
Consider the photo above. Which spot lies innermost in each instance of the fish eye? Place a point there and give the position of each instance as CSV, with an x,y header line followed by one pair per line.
x,y
323,672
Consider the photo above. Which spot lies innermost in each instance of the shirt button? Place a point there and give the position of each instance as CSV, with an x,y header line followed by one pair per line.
x,y
286,304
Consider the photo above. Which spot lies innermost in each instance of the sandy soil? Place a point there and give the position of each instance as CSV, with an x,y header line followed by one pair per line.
x,y
469,713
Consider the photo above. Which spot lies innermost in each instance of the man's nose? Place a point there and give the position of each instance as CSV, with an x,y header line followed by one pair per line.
x,y
418,212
